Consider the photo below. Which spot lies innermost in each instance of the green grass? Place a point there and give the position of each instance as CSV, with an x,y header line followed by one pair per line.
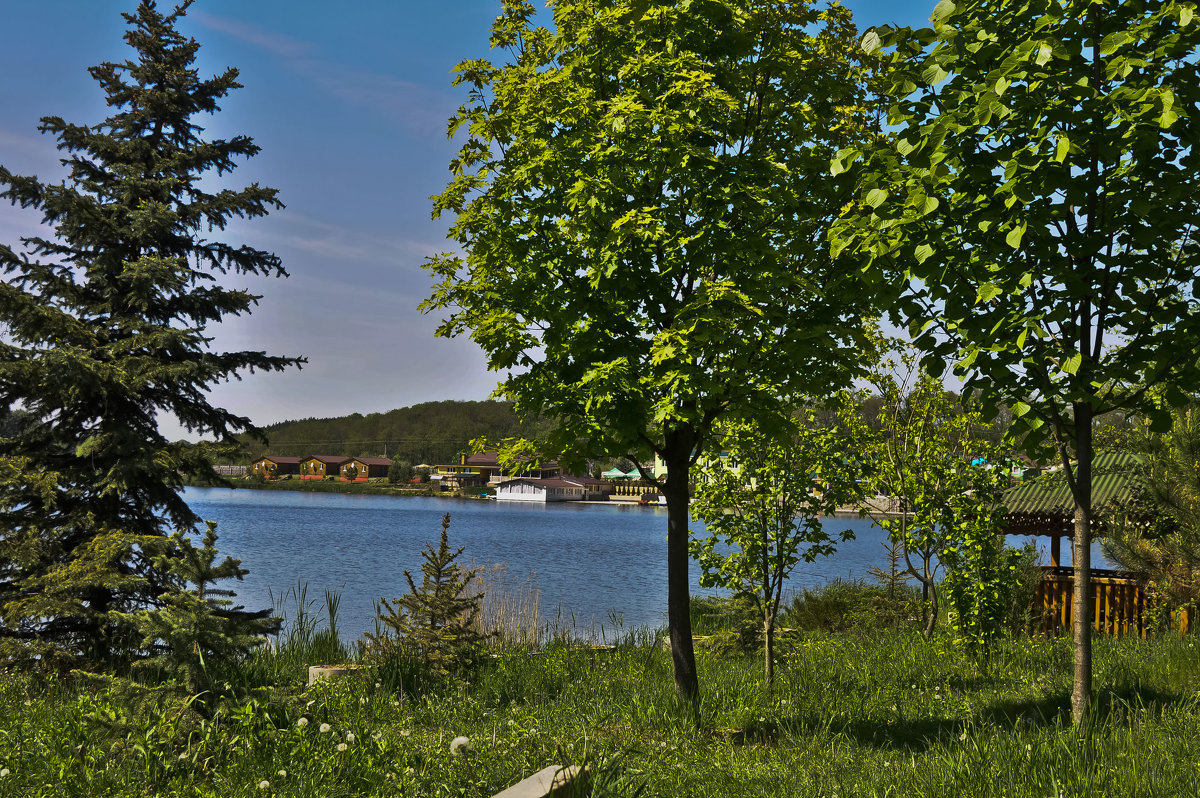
x,y
873,713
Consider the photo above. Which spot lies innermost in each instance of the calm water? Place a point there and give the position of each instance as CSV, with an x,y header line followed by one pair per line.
x,y
590,560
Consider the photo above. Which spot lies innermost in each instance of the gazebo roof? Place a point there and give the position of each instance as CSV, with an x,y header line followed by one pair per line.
x,y
1044,506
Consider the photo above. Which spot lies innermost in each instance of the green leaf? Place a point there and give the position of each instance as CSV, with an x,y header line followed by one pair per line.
x,y
922,252
870,41
875,197
934,74
1020,408
942,10
987,292
1071,365
1185,16
1021,337
1044,54
1013,239
1061,148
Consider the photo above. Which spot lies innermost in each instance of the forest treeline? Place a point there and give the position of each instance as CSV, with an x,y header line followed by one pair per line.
x,y
429,432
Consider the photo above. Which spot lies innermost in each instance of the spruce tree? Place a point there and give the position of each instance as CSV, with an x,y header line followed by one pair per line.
x,y
106,323
199,626
435,622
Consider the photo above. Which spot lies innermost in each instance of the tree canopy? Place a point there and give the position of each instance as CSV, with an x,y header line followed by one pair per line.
x,y
1038,199
641,199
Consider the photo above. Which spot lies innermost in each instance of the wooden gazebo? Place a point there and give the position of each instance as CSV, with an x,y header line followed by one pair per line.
x,y
1044,507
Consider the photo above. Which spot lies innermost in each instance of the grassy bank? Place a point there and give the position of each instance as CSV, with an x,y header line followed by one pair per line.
x,y
378,488
871,714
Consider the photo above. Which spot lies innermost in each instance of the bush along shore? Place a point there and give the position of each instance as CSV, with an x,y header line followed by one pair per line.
x,y
871,709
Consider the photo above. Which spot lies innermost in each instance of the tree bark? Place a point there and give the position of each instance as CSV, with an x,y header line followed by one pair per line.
x,y
677,455
1081,562
769,652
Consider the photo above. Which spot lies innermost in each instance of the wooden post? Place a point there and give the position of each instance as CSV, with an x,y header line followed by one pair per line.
x,y
1056,550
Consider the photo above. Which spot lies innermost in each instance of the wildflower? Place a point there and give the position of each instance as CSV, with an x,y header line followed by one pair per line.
x,y
391,777
362,700
4,772
282,774
511,722
409,771
377,735
302,722
183,756
341,746
962,737
460,746
325,727
264,785
349,737
405,732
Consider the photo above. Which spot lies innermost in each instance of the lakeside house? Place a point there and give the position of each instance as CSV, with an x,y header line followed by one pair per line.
x,y
484,469
562,489
319,466
272,466
360,469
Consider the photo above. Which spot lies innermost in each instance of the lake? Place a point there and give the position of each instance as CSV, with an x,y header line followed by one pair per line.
x,y
592,562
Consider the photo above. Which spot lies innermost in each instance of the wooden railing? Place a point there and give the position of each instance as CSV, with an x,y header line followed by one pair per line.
x,y
1118,602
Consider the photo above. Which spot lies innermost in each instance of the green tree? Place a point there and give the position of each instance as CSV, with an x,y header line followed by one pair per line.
x,y
435,622
198,628
641,199
1039,200
106,334
931,455
762,503
400,471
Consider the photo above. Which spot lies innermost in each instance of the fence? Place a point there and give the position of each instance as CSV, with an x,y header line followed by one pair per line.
x,y
1118,602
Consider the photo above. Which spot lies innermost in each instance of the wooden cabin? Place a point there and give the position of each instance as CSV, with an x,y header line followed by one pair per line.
x,y
319,466
360,469
271,466
1044,507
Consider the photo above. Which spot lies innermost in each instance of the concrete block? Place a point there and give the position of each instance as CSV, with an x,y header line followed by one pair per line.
x,y
316,672
555,781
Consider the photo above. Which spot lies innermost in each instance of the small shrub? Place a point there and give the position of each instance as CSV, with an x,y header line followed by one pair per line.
x,y
846,605
436,623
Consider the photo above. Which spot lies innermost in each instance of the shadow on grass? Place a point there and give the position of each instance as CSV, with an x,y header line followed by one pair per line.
x,y
1112,707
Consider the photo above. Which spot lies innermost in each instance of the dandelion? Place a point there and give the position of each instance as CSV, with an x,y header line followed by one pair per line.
x,y
511,722
349,737
962,737
341,747
405,732
409,772
460,746
325,727
4,772
264,785
302,722
391,777
282,774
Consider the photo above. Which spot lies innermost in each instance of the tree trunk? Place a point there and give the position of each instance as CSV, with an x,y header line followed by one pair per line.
x,y
933,609
677,455
1081,561
769,651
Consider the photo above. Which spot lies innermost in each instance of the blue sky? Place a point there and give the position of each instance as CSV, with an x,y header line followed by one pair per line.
x,y
349,103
